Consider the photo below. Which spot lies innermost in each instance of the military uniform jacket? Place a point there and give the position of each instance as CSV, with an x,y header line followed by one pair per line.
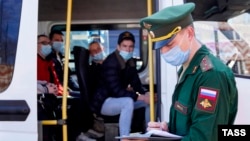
x,y
116,75
205,96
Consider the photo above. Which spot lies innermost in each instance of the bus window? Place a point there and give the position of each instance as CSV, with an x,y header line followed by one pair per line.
x,y
229,41
107,35
108,38
9,24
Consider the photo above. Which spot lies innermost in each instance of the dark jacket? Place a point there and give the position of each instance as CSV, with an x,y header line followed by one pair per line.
x,y
94,77
72,83
116,75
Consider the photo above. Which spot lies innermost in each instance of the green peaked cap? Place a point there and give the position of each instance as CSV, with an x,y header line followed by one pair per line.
x,y
164,24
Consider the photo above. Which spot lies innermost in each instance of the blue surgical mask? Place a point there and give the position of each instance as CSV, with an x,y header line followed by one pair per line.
x,y
46,50
176,56
126,55
99,56
58,46
62,50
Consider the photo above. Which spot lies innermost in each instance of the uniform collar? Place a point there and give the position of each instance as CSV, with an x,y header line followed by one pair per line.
x,y
195,62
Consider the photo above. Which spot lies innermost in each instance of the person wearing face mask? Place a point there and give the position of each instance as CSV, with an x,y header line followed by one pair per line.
x,y
205,94
120,90
47,83
96,52
96,57
56,55
45,68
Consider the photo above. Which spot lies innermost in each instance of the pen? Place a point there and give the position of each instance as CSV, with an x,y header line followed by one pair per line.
x,y
159,121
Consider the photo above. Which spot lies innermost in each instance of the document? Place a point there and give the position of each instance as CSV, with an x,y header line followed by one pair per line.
x,y
151,134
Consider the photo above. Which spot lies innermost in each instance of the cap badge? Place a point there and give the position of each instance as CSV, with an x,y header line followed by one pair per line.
x,y
126,35
147,26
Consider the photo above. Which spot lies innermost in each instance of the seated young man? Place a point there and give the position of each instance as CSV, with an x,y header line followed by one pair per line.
x,y
119,90
57,54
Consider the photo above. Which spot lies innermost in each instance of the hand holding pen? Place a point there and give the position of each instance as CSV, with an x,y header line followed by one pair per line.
x,y
159,121
157,125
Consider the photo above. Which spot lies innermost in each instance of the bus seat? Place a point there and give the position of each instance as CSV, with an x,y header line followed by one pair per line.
x,y
81,56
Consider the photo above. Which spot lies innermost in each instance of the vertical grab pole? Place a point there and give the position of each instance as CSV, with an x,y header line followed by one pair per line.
x,y
151,71
65,74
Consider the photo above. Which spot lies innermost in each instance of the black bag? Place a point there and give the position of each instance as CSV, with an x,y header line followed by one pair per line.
x,y
46,106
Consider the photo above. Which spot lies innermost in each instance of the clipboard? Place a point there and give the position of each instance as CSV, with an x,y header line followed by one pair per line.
x,y
152,135
149,138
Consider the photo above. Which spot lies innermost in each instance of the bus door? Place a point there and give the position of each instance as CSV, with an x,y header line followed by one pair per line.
x,y
18,86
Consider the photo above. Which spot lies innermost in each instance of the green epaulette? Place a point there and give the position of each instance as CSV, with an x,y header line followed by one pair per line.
x,y
206,64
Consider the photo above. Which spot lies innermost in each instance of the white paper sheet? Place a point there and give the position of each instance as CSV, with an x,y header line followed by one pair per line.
x,y
149,134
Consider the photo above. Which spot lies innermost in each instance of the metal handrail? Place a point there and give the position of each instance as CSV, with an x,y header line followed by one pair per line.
x,y
151,71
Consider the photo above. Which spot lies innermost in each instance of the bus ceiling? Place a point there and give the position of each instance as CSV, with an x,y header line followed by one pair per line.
x,y
55,10
218,10
209,10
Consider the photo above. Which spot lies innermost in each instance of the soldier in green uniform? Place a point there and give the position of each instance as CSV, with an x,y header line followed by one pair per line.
x,y
206,94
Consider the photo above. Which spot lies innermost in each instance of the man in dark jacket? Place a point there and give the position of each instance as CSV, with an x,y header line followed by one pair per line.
x,y
120,91
57,54
96,57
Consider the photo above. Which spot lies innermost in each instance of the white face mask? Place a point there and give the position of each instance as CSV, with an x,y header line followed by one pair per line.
x,y
98,57
126,55
46,50
58,46
176,56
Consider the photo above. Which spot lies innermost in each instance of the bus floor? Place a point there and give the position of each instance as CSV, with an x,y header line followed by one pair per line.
x,y
80,120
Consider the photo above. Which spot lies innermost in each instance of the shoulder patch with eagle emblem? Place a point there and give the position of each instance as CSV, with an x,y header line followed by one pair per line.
x,y
207,99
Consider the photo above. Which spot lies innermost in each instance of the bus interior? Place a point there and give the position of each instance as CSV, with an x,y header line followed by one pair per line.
x,y
219,24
